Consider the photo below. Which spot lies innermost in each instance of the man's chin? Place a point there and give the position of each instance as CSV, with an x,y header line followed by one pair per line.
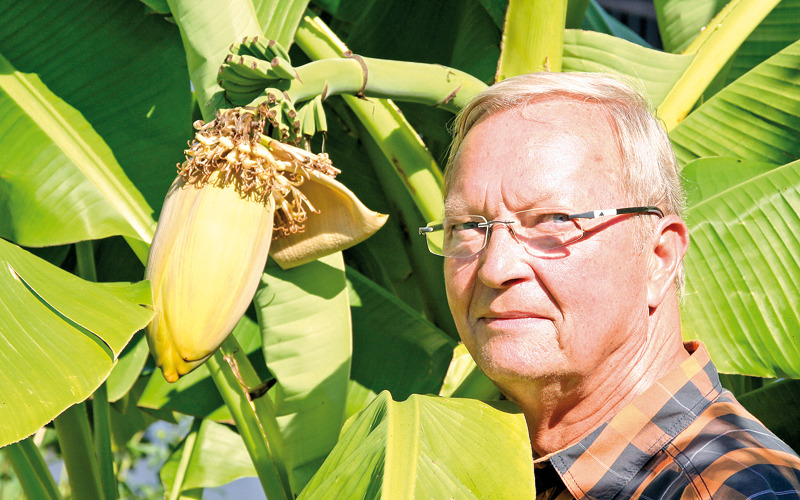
x,y
507,360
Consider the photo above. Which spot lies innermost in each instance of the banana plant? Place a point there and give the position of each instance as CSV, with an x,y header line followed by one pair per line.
x,y
325,383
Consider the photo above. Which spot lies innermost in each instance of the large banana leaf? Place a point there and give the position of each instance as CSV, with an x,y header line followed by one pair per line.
x,y
428,447
120,67
60,337
742,272
656,70
59,182
304,315
756,118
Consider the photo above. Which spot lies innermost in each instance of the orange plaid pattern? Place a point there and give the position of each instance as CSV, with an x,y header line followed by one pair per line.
x,y
684,437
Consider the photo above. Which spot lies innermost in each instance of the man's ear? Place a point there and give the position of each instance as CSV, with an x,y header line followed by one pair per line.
x,y
668,244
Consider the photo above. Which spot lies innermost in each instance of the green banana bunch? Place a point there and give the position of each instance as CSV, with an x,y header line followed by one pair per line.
x,y
312,117
256,72
252,66
239,197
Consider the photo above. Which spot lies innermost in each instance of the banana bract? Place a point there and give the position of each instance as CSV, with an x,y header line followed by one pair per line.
x,y
238,198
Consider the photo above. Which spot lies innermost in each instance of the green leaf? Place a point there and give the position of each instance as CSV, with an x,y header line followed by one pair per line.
x,y
122,67
59,181
128,368
680,21
216,457
476,46
496,10
741,268
465,380
776,32
50,319
429,447
714,48
709,177
656,70
394,347
304,315
158,6
755,118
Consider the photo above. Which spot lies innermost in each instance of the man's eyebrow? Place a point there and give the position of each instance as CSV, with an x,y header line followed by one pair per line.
x,y
454,206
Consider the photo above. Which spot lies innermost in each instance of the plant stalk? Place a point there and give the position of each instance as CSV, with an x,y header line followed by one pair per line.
x,y
533,37
233,375
75,438
101,420
430,84
31,470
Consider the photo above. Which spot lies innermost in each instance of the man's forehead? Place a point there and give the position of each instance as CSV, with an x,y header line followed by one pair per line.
x,y
553,123
532,150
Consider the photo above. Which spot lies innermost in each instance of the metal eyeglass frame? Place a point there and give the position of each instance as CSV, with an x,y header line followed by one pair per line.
x,y
489,224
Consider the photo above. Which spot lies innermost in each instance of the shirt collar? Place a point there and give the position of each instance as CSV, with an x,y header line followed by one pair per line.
x,y
600,464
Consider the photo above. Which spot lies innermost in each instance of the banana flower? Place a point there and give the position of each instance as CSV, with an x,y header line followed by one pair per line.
x,y
238,198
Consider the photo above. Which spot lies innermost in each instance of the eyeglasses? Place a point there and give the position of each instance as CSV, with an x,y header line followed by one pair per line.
x,y
539,230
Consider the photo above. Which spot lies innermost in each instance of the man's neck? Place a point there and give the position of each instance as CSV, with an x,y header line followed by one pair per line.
x,y
562,410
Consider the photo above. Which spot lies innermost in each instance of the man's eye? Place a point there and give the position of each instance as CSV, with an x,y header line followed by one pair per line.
x,y
545,221
466,226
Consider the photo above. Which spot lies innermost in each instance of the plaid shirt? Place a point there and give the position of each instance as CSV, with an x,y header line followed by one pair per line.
x,y
684,437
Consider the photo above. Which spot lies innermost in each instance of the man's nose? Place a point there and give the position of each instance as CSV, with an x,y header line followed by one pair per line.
x,y
504,259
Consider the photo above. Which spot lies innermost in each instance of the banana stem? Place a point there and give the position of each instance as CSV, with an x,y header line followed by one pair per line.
x,y
75,439
430,84
102,442
31,470
233,375
533,37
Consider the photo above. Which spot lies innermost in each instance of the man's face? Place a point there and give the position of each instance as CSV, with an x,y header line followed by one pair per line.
x,y
524,317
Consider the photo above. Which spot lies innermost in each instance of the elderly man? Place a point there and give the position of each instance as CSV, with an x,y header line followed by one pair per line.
x,y
563,243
